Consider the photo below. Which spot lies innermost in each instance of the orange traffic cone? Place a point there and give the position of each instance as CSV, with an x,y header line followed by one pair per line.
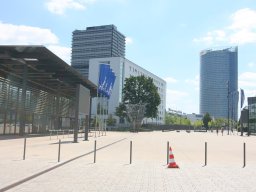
x,y
172,163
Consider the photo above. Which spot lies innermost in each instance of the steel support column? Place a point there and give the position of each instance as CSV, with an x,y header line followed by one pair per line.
x,y
76,113
23,101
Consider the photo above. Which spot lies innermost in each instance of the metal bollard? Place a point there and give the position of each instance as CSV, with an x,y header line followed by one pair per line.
x,y
24,151
59,151
244,154
95,151
205,160
130,152
168,152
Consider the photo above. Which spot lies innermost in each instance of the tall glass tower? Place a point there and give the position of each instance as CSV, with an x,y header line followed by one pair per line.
x,y
95,42
219,82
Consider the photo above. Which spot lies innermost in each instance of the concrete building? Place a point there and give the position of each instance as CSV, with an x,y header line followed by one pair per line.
x,y
95,42
123,69
219,82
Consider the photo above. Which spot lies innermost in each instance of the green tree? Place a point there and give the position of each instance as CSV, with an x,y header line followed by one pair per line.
x,y
206,119
140,99
141,89
198,123
111,121
176,119
121,111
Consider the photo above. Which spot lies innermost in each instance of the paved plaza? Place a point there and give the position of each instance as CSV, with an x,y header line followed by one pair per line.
x,y
76,171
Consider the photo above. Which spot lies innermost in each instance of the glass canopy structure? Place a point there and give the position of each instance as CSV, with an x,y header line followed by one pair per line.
x,y
40,92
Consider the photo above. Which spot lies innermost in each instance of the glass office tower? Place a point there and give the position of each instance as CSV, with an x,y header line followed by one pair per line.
x,y
95,42
219,82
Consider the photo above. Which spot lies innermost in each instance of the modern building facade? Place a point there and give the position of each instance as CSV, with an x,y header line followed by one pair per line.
x,y
219,82
252,114
123,69
40,93
96,42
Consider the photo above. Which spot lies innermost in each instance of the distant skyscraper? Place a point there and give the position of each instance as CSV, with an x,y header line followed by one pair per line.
x,y
218,82
96,42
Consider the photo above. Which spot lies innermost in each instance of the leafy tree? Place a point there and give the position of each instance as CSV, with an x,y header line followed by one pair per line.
x,y
121,111
185,121
111,121
206,119
198,123
175,119
141,89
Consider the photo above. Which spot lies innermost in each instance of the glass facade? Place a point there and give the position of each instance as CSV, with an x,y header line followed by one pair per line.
x,y
39,92
219,82
252,114
95,42
44,111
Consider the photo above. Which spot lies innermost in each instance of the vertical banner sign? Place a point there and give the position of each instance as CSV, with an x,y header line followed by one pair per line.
x,y
106,85
110,84
103,78
106,80
113,78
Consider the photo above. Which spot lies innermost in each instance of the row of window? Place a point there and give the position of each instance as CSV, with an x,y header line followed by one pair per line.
x,y
91,55
98,36
91,49
90,44
98,49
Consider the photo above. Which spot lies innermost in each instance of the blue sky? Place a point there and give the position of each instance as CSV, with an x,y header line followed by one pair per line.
x,y
163,36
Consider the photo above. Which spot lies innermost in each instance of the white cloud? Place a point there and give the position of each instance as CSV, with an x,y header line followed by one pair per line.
x,y
60,6
249,93
173,97
241,30
248,76
247,81
63,52
21,34
243,19
242,37
27,35
211,37
252,64
128,40
180,100
194,82
170,80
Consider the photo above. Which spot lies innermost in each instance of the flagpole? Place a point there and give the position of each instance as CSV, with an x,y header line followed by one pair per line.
x,y
96,115
106,116
101,113
97,102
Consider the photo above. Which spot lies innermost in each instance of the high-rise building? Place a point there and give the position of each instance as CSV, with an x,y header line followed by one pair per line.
x,y
95,42
219,82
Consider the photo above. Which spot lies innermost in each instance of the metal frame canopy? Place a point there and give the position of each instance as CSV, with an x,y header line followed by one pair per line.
x,y
45,70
